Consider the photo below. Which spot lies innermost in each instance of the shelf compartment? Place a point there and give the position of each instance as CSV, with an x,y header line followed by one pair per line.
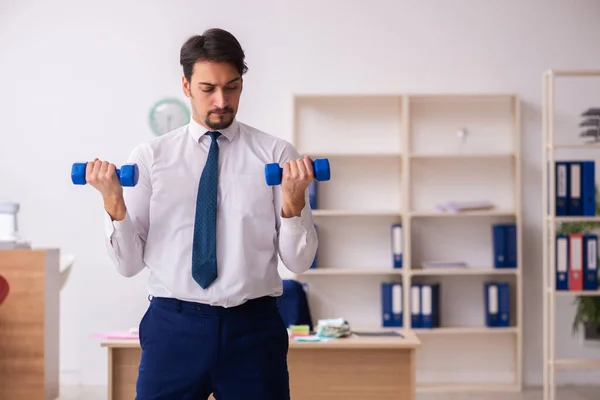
x,y
370,124
436,181
488,120
380,182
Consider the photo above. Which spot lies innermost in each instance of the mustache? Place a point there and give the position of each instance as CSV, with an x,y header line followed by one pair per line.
x,y
221,110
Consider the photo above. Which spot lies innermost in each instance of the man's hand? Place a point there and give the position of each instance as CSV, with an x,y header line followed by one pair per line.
x,y
297,176
102,176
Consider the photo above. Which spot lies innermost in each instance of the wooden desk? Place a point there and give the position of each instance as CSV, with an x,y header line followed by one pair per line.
x,y
350,368
29,325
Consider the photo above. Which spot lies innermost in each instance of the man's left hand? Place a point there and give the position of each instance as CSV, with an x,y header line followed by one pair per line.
x,y
297,176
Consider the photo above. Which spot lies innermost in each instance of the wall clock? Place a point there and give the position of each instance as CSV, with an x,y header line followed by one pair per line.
x,y
168,114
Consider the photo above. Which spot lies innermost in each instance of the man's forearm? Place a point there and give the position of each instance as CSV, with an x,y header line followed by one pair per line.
x,y
115,207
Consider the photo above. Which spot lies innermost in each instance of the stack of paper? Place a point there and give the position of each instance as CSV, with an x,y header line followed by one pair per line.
x,y
333,328
444,264
456,206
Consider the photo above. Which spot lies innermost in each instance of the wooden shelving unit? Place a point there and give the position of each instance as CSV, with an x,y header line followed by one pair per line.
x,y
393,157
552,144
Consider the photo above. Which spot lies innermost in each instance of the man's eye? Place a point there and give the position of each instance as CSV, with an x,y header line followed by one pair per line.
x,y
234,87
207,90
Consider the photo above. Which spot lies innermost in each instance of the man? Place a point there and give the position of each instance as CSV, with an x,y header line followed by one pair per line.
x,y
209,229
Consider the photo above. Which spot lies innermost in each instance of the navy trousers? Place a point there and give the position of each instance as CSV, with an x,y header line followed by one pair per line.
x,y
190,350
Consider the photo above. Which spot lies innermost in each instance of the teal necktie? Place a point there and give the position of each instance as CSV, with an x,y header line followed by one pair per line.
x,y
204,247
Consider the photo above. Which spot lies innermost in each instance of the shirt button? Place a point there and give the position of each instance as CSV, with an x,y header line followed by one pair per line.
x,y
198,308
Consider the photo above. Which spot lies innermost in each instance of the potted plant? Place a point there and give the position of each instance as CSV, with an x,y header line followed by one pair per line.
x,y
587,314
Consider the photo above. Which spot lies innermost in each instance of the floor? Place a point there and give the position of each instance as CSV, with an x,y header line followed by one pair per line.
x,y
566,393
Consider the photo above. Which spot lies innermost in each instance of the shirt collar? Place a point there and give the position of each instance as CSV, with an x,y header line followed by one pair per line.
x,y
197,131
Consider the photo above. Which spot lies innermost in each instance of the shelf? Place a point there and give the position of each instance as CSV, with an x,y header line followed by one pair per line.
x,y
475,213
576,363
467,388
574,146
355,213
314,155
395,153
458,156
463,271
561,119
465,330
351,271
574,218
575,293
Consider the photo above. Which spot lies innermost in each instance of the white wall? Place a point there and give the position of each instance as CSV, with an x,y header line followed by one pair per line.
x,y
77,80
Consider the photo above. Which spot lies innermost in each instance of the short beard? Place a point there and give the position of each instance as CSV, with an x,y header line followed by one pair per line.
x,y
224,123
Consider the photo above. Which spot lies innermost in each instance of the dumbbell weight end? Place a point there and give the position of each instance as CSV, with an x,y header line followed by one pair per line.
x,y
321,169
128,174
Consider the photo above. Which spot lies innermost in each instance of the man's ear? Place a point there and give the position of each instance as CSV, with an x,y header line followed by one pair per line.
x,y
186,87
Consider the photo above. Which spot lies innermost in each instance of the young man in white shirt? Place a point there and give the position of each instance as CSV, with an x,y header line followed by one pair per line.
x,y
209,229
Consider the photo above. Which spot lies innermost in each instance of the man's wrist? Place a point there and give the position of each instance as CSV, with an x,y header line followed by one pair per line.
x,y
291,209
115,207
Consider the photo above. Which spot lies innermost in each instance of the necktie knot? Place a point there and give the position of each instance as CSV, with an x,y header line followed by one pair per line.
x,y
213,134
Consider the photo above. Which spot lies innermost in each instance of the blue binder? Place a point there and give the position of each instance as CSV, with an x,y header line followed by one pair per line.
x,y
312,194
430,305
391,304
562,185
497,304
504,243
562,261
590,261
415,305
397,245
588,188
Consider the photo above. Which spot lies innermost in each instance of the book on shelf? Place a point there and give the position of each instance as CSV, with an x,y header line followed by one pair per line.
x,y
397,245
504,244
497,304
391,304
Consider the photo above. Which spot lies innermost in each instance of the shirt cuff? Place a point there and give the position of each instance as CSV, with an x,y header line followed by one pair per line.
x,y
297,224
111,227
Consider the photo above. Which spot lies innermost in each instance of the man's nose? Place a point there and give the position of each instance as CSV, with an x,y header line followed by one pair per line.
x,y
220,99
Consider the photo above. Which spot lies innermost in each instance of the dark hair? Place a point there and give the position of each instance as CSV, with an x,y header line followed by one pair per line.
x,y
215,45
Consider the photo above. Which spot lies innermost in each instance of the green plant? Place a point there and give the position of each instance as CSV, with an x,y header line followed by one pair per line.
x,y
587,307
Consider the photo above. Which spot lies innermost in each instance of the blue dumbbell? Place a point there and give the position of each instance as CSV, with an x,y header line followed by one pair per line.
x,y
128,174
273,171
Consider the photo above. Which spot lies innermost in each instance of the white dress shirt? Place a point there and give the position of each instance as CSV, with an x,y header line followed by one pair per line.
x,y
158,229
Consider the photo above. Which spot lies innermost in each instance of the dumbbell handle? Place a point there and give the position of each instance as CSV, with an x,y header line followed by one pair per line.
x,y
128,174
321,169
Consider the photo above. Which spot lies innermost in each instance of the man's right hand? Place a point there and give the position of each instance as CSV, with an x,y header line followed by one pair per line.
x,y
102,176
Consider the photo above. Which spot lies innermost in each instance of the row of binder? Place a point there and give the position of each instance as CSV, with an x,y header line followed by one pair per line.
x,y
576,261
425,304
575,188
